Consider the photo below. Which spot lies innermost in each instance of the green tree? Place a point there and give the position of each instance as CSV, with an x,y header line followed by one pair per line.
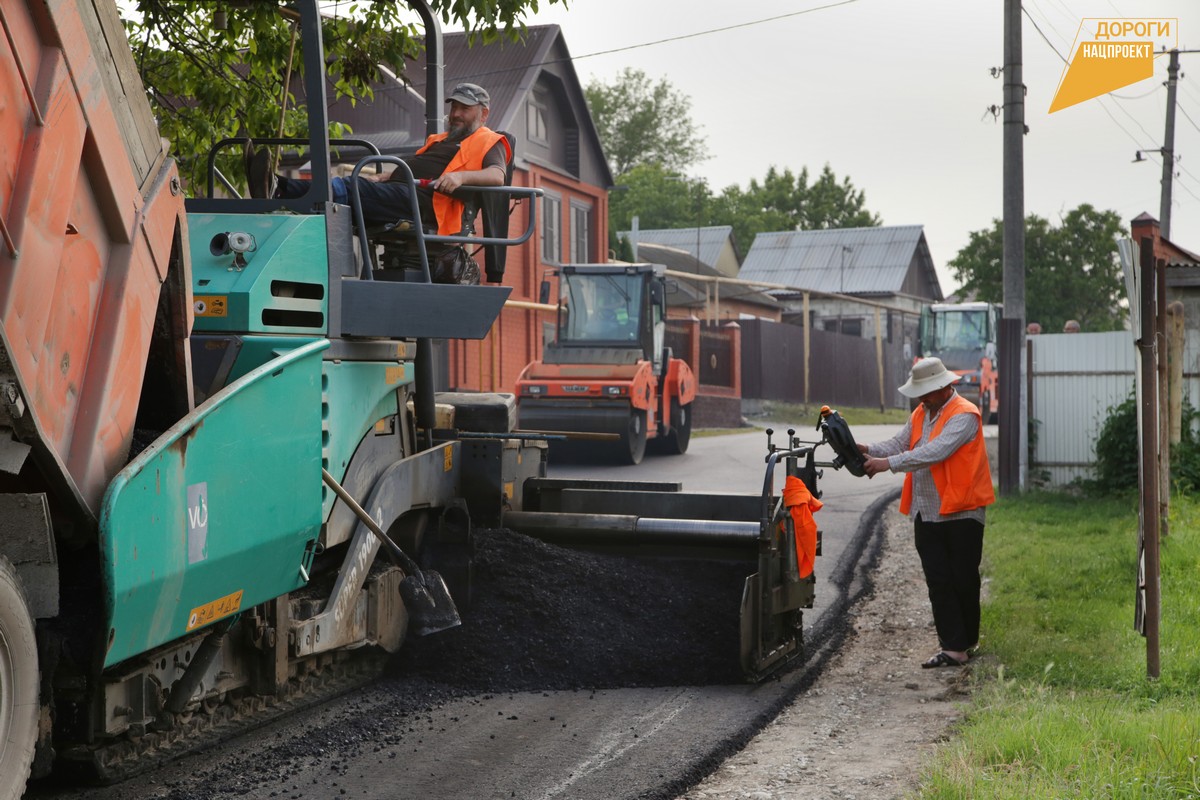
x,y
784,201
219,70
1071,272
641,122
659,199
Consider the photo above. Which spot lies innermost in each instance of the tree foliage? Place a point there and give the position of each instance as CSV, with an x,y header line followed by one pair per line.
x,y
784,201
650,140
1071,272
641,122
209,82
781,201
659,198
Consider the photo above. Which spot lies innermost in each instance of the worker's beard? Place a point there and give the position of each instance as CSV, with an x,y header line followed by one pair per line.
x,y
457,132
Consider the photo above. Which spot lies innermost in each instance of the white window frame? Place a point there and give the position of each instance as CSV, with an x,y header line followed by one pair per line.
x,y
581,210
551,232
537,119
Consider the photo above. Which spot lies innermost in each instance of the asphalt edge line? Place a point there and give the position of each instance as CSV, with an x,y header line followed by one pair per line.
x,y
854,576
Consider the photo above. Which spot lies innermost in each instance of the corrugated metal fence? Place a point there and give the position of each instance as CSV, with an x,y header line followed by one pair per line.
x,y
843,369
1075,379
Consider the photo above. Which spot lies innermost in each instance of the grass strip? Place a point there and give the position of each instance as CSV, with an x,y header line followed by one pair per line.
x,y
798,412
1063,706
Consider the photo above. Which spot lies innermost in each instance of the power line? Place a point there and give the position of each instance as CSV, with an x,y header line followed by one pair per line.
x,y
1189,191
1183,111
679,38
1117,122
1042,33
1136,96
1135,121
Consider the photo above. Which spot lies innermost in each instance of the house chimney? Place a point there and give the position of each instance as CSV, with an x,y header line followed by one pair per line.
x,y
1145,225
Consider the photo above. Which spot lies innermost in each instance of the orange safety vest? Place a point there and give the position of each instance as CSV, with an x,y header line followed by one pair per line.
x,y
801,504
446,208
964,480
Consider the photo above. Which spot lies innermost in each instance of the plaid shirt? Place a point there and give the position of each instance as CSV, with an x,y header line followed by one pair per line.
x,y
958,430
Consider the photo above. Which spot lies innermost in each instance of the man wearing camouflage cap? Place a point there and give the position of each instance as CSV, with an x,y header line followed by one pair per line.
x,y
467,154
947,487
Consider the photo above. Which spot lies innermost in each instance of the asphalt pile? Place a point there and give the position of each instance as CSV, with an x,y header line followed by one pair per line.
x,y
544,617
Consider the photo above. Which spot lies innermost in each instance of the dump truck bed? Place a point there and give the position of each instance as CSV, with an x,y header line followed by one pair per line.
x,y
91,209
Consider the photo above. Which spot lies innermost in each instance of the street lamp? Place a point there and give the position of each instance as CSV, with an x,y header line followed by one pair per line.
x,y
842,279
842,284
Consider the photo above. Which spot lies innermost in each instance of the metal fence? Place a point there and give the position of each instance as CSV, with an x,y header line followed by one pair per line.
x,y
716,357
708,350
842,369
1075,379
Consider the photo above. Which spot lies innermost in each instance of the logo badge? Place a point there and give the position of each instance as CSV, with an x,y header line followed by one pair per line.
x,y
1109,54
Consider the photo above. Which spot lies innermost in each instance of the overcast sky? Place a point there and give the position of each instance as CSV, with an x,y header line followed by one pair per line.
x,y
895,94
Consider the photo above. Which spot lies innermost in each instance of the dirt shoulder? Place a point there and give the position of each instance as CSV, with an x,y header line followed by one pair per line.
x,y
873,718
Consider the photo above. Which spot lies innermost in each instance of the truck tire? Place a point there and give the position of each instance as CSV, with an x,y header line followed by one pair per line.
x,y
681,428
18,685
632,446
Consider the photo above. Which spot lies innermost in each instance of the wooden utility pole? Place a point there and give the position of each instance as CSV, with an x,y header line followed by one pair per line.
x,y
1148,609
1013,423
1164,430
1175,338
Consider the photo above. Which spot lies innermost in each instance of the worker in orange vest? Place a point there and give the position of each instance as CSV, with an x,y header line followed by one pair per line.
x,y
947,487
468,154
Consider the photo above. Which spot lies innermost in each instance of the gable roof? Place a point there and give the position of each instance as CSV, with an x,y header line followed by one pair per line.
x,y
842,260
689,294
711,240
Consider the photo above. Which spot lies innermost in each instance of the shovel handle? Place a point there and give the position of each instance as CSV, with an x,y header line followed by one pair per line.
x,y
406,563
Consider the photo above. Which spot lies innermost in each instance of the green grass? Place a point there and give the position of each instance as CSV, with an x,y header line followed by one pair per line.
x,y
701,433
799,413
1063,706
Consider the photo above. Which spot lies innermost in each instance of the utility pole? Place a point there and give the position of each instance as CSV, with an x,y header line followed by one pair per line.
x,y
1168,149
1013,415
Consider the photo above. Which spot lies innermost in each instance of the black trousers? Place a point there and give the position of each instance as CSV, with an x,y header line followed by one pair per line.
x,y
950,555
383,202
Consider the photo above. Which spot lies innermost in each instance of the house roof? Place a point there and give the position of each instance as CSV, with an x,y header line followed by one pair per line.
x,y
1174,254
508,70
692,294
859,261
711,240
393,120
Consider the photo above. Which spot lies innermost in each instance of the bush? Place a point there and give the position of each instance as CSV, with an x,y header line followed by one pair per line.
x,y
1117,451
1185,456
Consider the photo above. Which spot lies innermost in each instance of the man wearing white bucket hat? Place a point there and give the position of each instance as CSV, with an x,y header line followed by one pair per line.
x,y
946,490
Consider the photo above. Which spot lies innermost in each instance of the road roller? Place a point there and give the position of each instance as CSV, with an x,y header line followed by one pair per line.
x,y
607,377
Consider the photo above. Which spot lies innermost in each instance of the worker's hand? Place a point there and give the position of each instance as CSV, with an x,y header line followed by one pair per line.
x,y
874,466
862,448
448,183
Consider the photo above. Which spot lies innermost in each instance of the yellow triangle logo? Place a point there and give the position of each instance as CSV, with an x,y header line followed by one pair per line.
x,y
1101,67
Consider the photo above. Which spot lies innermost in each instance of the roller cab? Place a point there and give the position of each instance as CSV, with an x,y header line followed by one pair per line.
x,y
606,381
